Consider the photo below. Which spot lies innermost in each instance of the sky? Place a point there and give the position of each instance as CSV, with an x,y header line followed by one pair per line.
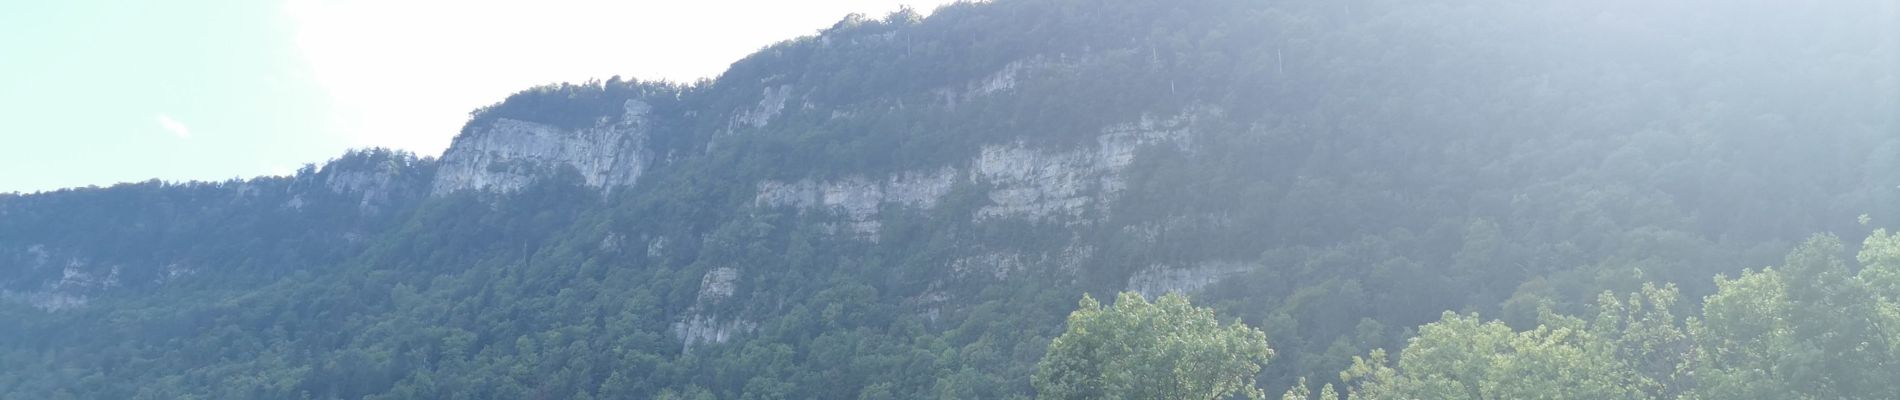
x,y
98,92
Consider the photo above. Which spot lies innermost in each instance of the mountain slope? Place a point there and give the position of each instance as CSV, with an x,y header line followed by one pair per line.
x,y
906,206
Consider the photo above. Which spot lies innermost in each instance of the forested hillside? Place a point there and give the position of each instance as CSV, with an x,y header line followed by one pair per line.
x,y
1437,197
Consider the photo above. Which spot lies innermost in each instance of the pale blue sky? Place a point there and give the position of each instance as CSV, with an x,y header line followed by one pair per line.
x,y
97,92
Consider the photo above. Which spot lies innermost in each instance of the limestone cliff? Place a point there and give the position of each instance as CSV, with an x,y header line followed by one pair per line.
x,y
701,324
73,282
1022,181
1158,280
507,154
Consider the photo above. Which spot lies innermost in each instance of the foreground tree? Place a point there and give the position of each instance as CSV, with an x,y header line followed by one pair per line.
x,y
1809,329
1134,349
1460,357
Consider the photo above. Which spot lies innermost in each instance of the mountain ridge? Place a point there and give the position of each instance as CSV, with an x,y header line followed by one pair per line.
x,y
910,205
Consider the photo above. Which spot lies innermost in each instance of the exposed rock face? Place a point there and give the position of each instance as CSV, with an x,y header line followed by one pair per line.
x,y
47,300
1037,184
373,179
359,181
700,326
174,271
374,185
704,329
994,265
1162,279
999,265
717,285
1152,231
78,279
657,247
508,154
1003,80
857,198
75,276
1025,182
771,102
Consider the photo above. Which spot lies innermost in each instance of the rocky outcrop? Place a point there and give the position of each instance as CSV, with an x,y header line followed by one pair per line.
x,y
77,280
1000,265
858,199
1158,280
1151,232
701,326
48,301
373,179
1024,181
1003,80
1037,184
507,154
771,102
718,285
703,329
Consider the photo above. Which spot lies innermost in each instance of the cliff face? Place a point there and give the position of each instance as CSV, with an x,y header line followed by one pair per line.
x,y
1017,177
506,154
376,181
1021,181
73,281
703,326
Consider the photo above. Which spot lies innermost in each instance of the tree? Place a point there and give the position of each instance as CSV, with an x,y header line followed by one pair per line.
x,y
1807,329
1460,357
1647,337
1880,269
1134,349
1299,391
1880,263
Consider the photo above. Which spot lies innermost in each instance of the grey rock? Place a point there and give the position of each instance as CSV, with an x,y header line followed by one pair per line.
x,y
1025,182
700,326
1157,280
508,154
858,199
1003,80
771,102
373,188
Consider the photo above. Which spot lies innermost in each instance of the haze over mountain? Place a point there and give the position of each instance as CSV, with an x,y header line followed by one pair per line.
x,y
907,207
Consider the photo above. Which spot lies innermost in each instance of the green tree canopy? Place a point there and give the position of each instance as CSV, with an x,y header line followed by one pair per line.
x,y
1460,357
1134,349
1808,329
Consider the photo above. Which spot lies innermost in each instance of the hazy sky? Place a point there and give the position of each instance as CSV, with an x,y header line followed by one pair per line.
x,y
96,92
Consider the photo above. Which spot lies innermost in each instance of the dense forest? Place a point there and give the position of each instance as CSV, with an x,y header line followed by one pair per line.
x,y
1374,199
